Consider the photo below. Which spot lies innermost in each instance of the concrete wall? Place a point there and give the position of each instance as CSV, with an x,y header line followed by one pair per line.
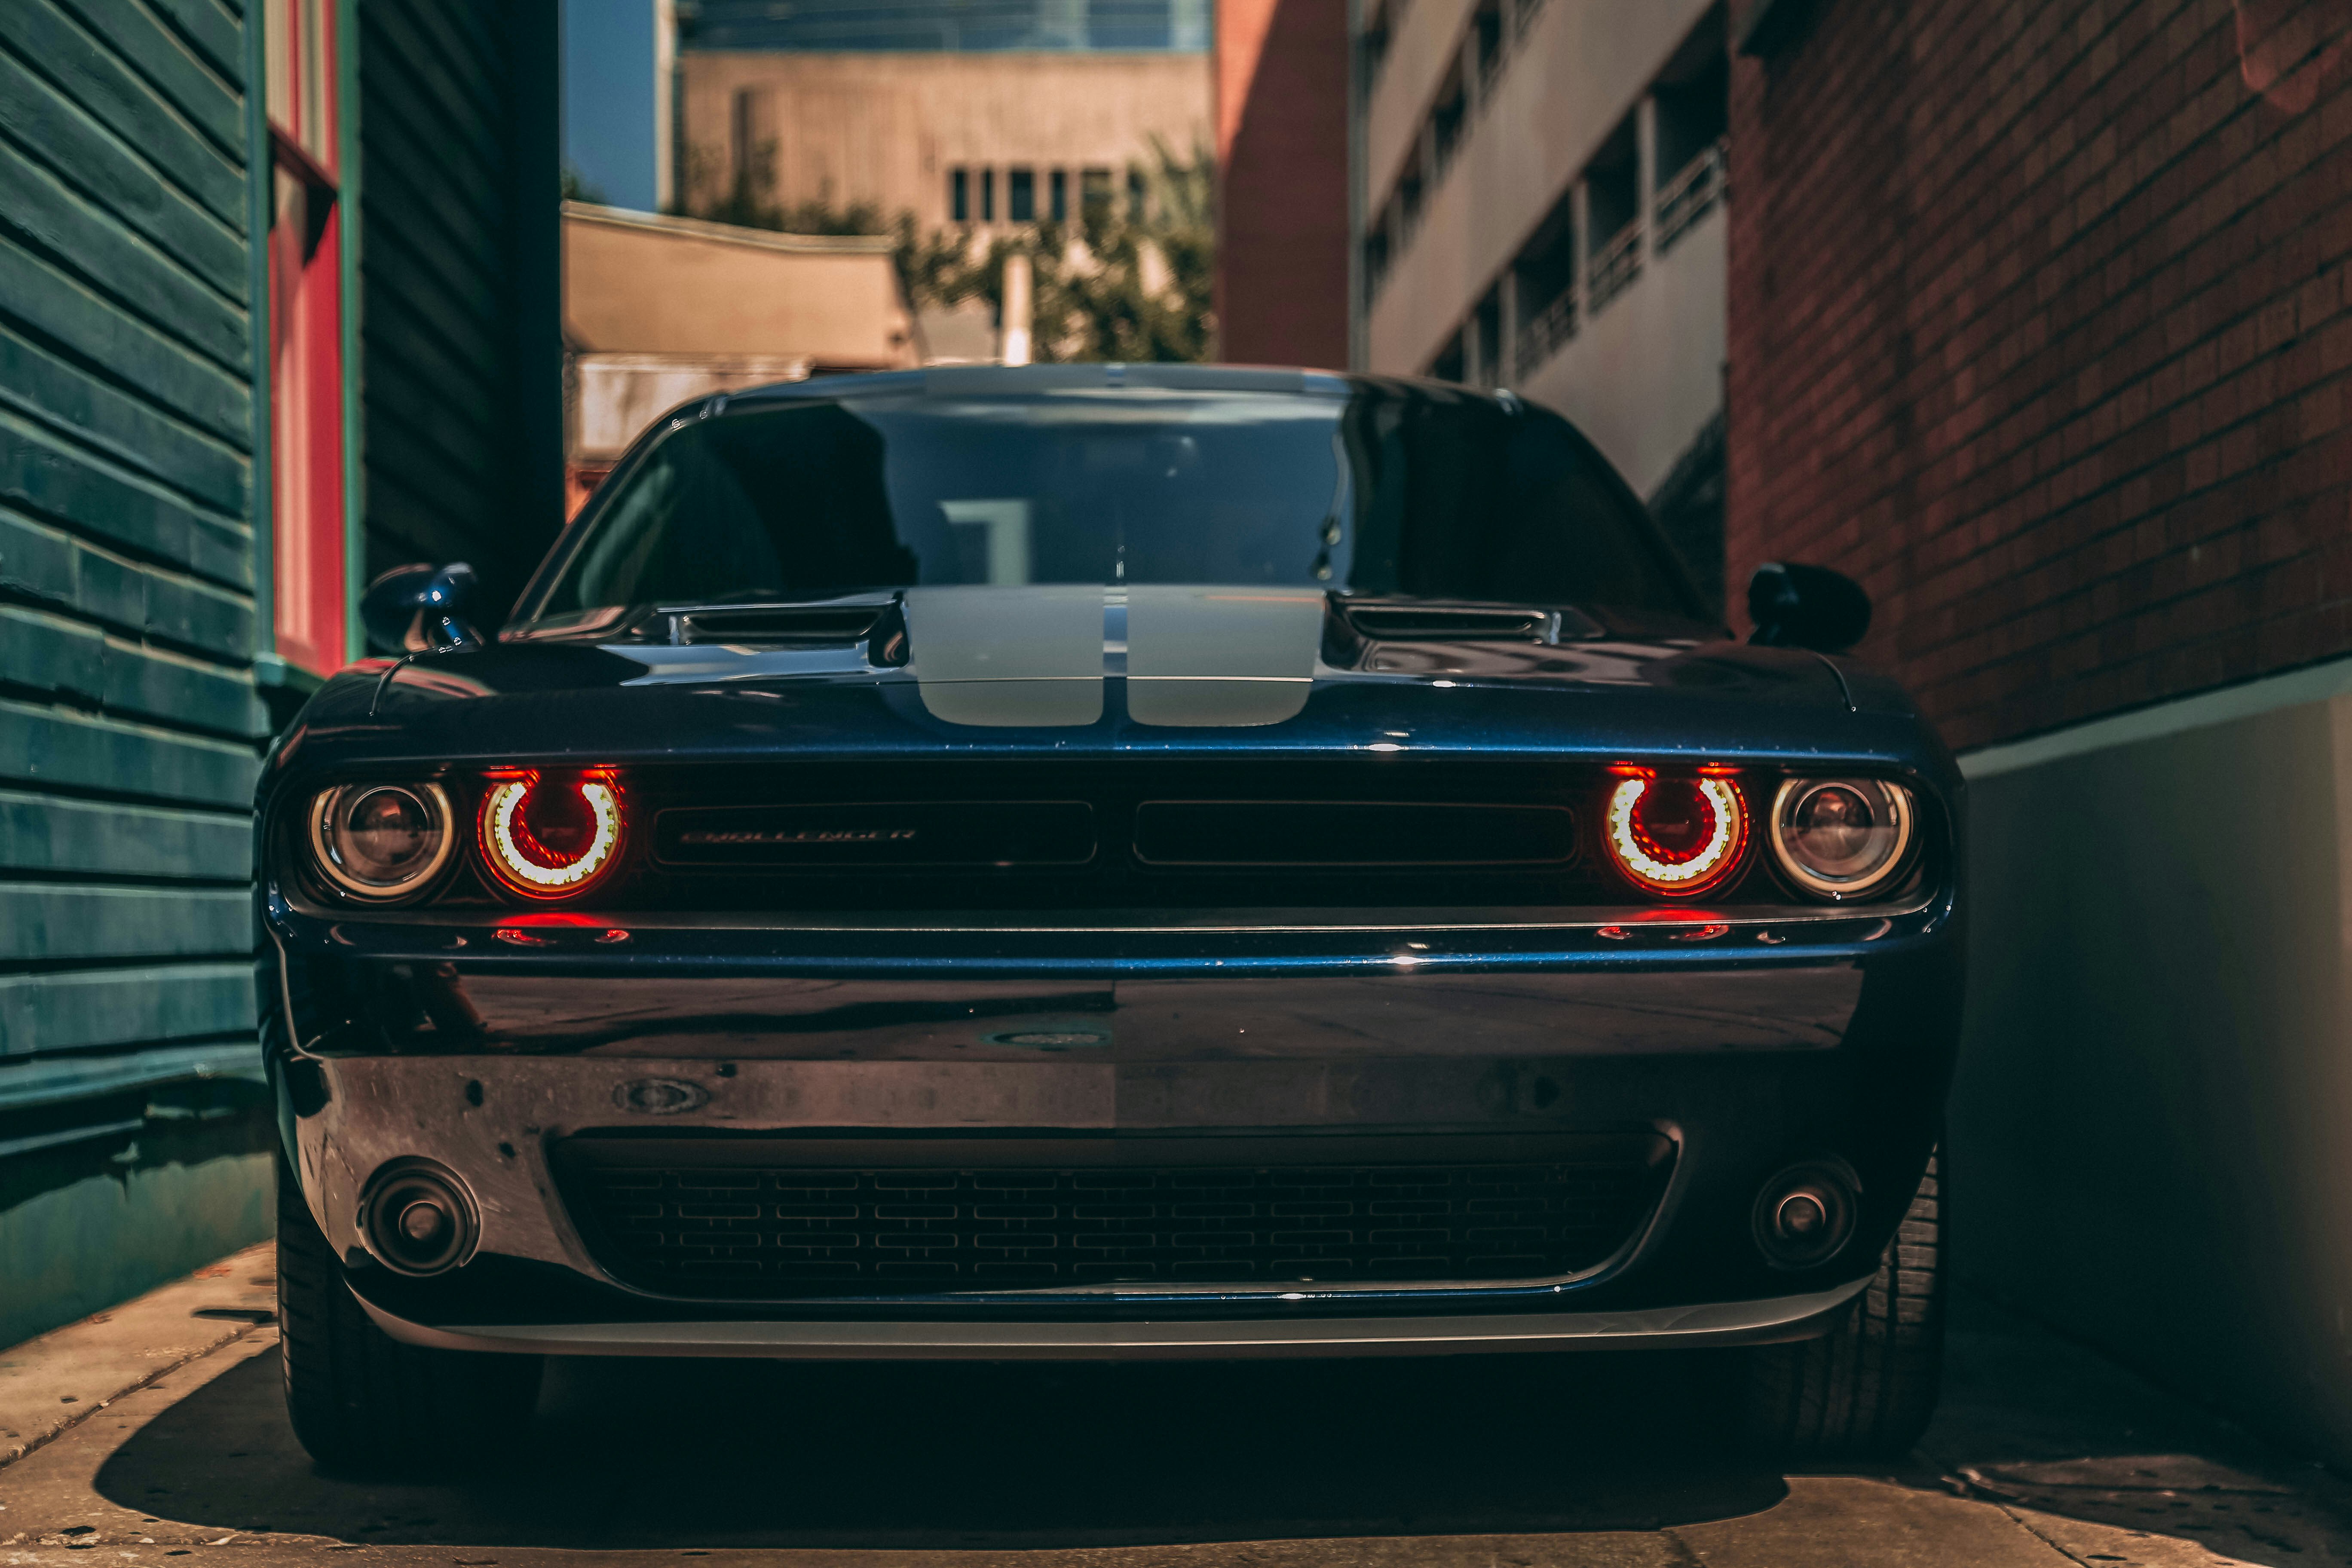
x,y
885,128
1580,69
2148,1133
1644,375
638,283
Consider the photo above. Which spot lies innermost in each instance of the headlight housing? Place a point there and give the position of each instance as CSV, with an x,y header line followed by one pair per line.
x,y
1842,838
1677,838
382,842
551,837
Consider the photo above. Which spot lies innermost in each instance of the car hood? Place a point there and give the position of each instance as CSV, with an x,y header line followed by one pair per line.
x,y
1058,670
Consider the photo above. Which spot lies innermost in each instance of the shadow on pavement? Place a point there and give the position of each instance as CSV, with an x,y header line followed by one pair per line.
x,y
2034,1421
750,1453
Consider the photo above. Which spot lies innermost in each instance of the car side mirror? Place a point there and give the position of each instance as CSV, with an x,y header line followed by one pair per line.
x,y
1795,605
416,609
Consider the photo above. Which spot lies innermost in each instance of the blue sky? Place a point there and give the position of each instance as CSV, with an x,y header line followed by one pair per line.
x,y
608,98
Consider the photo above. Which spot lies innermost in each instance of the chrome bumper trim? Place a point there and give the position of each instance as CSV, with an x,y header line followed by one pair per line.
x,y
1660,1327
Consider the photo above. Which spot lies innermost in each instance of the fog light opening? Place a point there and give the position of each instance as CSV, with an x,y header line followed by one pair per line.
x,y
1805,1215
419,1218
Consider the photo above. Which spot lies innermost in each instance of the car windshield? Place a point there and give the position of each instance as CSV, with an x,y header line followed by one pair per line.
x,y
1385,491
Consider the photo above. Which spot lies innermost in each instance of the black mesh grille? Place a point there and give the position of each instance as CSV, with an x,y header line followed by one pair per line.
x,y
732,1230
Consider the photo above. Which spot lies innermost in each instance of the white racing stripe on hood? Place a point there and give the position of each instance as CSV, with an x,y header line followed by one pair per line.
x,y
1202,657
1006,657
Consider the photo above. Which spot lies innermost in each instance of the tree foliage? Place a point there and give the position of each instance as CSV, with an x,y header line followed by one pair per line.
x,y
1127,277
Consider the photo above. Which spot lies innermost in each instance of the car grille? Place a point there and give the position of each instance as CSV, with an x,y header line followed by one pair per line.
x,y
1166,835
730,1229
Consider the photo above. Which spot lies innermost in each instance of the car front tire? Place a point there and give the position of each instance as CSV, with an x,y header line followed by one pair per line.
x,y
361,1401
1866,1389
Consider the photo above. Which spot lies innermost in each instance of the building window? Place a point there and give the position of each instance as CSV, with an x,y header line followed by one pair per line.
x,y
1544,283
959,196
987,195
1614,209
1134,195
1021,194
1094,190
310,587
1057,194
752,141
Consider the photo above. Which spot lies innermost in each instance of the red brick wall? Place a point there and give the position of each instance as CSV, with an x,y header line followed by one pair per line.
x,y
1282,161
2039,328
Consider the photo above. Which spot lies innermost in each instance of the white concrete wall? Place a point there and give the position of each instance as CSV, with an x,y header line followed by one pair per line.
x,y
1644,376
2152,1129
1580,69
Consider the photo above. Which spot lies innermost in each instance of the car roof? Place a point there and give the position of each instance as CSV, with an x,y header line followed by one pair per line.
x,y
981,379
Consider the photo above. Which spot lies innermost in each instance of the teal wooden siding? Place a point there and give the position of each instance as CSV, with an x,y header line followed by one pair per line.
x,y
129,727
130,731
134,1128
461,333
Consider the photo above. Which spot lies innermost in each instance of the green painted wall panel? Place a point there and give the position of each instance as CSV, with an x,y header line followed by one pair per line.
x,y
67,311
78,67
212,32
167,1072
41,475
172,609
43,387
51,836
130,728
98,163
45,921
46,562
134,274
75,661
60,748
139,37
460,334
58,1012
86,1226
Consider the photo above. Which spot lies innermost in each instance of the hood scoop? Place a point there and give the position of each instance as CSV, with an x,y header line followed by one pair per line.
x,y
831,624
1453,623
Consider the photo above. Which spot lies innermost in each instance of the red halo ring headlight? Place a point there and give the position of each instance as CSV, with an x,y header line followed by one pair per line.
x,y
551,837
1841,838
1676,837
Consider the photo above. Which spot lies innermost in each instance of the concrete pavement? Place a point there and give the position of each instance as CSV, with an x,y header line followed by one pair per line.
x,y
154,1433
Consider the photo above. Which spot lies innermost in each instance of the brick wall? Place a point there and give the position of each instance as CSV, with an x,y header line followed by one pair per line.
x,y
1282,182
2040,328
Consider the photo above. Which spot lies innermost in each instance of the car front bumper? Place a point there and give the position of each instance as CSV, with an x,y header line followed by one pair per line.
x,y
1773,1043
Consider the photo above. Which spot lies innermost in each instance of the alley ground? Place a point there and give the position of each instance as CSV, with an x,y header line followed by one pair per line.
x,y
154,1432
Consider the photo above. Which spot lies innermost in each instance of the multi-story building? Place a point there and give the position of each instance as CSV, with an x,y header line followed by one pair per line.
x,y
1539,199
982,112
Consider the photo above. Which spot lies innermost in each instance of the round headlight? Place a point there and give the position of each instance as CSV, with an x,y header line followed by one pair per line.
x,y
549,838
380,841
1677,836
1841,838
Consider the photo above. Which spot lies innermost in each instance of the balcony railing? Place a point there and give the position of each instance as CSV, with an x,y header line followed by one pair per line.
x,y
1614,267
1542,334
1691,195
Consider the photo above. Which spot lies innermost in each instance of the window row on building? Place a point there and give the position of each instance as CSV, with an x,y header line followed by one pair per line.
x,y
1489,38
1026,195
1657,172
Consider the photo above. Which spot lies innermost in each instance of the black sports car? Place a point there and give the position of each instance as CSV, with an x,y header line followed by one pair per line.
x,y
1107,861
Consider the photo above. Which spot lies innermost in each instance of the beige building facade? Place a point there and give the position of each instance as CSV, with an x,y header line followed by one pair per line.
x,y
1539,204
985,138
657,309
